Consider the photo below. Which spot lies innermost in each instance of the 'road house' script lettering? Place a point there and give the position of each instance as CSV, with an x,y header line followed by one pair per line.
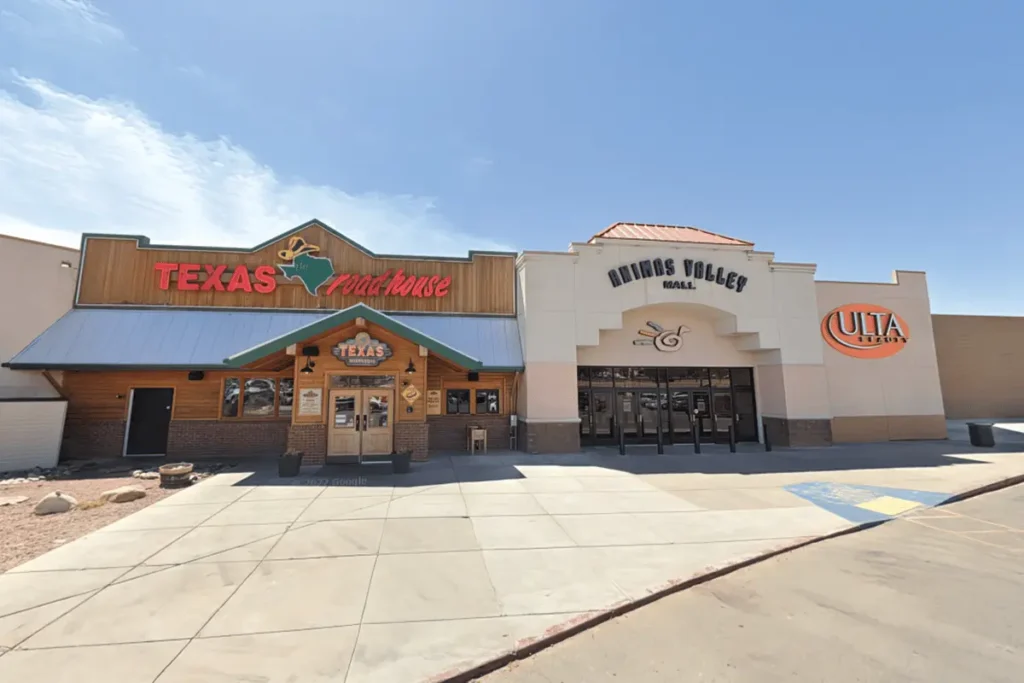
x,y
693,271
263,280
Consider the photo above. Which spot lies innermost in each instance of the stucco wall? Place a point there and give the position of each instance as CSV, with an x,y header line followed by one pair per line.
x,y
981,365
898,397
574,313
701,347
34,291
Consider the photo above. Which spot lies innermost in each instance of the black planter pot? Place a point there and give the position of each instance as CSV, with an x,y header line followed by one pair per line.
x,y
288,465
400,462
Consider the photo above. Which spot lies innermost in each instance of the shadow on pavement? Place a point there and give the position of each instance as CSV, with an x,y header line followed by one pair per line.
x,y
715,459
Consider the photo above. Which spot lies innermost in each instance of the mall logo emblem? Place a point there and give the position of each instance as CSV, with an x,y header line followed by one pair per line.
x,y
660,338
865,331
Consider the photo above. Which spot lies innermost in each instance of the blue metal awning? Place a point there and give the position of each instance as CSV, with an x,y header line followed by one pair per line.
x,y
103,338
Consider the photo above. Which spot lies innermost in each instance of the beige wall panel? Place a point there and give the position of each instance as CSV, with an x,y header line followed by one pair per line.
x,y
981,365
904,384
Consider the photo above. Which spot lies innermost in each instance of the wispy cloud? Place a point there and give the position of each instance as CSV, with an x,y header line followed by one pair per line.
x,y
59,20
70,164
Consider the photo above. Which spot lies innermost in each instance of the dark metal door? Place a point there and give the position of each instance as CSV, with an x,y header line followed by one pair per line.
x,y
149,422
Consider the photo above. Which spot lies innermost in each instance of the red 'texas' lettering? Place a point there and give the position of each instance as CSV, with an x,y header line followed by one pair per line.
x,y
240,280
213,278
188,277
165,270
263,280
266,282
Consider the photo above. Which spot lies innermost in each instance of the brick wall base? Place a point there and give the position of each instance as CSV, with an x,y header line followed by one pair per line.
x,y
311,440
794,432
412,436
448,432
93,439
549,437
220,438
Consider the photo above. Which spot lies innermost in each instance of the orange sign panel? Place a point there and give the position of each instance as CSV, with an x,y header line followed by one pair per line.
x,y
865,331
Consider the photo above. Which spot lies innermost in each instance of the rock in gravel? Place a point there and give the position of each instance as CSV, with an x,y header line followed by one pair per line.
x,y
123,494
55,502
142,474
12,500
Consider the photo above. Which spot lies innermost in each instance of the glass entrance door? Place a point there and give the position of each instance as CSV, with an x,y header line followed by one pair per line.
x,y
647,415
604,423
628,410
723,415
700,405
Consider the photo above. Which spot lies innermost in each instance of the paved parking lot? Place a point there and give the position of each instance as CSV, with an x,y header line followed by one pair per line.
x,y
345,576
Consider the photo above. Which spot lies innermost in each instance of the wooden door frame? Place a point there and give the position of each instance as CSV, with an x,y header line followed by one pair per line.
x,y
330,421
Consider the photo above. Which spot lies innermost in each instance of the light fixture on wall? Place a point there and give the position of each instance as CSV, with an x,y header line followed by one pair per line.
x,y
309,366
65,264
411,369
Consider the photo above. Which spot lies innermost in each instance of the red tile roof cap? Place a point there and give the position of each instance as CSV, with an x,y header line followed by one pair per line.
x,y
666,233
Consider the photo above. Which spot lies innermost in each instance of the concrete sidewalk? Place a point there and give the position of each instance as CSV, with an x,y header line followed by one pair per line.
x,y
356,575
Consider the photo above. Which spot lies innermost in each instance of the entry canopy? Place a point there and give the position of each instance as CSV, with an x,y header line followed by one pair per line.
x,y
154,339
342,317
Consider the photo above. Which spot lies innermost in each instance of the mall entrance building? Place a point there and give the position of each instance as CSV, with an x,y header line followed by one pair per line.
x,y
309,341
648,329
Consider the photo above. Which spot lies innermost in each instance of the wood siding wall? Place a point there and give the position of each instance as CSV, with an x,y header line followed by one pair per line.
x,y
104,395
442,375
117,271
402,351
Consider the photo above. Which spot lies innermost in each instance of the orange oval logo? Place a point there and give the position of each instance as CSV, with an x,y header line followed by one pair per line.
x,y
865,331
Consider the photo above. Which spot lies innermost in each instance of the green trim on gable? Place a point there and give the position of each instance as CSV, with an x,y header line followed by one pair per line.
x,y
340,318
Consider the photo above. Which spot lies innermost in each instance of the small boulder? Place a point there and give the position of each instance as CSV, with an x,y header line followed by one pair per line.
x,y
12,500
123,494
149,475
55,502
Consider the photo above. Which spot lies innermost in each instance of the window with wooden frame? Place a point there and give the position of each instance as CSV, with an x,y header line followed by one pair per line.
x,y
257,397
472,399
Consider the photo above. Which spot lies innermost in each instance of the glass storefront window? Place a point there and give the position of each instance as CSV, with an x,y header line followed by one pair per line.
x,y
362,381
259,398
583,377
229,405
286,395
720,377
742,377
457,402
600,377
687,377
624,399
487,402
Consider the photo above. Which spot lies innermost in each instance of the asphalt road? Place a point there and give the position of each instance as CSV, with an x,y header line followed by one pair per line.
x,y
936,597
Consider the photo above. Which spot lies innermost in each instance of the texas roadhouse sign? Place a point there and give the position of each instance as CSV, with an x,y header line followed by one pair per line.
x,y
299,263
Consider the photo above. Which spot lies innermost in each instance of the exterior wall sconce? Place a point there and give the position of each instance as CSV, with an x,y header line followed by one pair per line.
x,y
411,369
309,366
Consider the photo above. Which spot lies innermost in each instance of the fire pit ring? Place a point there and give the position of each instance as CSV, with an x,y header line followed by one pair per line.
x,y
175,475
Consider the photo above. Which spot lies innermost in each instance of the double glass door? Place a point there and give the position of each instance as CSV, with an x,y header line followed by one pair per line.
x,y
639,414
360,422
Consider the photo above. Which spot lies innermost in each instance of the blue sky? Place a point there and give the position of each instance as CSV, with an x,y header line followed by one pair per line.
x,y
863,137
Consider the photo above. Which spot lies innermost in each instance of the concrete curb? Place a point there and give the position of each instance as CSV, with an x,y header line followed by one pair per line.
x,y
556,634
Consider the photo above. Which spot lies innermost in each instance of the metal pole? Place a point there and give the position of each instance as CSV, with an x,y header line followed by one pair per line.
x,y
661,441
622,440
696,433
732,439
767,439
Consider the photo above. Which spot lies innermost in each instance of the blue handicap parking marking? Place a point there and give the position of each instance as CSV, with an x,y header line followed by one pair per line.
x,y
844,499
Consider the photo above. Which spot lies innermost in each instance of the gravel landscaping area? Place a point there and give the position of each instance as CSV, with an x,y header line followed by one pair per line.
x,y
25,535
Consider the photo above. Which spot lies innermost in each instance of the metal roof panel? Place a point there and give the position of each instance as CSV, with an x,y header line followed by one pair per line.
x,y
160,338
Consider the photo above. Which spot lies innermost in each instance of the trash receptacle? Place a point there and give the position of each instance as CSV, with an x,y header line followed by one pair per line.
x,y
981,434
